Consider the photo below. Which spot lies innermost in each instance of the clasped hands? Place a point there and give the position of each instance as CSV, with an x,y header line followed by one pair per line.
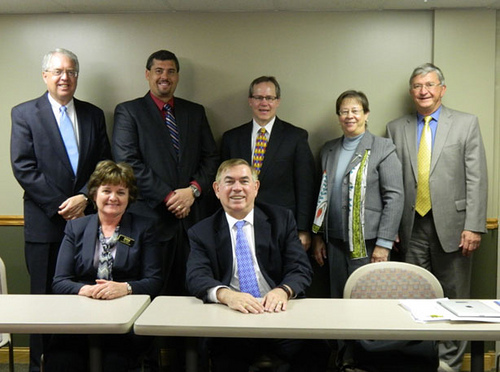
x,y
73,207
180,202
104,290
274,301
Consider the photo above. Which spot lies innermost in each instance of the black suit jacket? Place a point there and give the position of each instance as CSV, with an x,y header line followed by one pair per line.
x,y
138,264
42,167
287,177
141,138
279,252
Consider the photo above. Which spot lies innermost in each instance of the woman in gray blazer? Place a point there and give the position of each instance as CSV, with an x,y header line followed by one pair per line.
x,y
360,201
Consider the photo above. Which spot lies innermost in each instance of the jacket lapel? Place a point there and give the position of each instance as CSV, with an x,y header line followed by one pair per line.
x,y
273,145
410,135
51,128
122,250
443,128
153,122
84,133
364,144
224,249
244,142
262,234
90,236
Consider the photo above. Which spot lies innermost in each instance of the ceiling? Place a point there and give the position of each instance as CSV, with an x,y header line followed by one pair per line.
x,y
138,6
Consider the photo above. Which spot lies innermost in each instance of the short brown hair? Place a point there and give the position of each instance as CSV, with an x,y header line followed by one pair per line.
x,y
353,94
233,163
107,172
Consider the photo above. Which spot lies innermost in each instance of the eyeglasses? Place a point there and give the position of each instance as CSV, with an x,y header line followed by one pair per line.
x,y
355,112
160,71
267,98
59,72
427,86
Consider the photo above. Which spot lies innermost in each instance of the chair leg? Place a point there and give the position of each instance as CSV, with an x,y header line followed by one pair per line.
x,y
11,355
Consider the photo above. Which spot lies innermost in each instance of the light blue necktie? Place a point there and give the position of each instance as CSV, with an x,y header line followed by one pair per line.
x,y
68,135
246,271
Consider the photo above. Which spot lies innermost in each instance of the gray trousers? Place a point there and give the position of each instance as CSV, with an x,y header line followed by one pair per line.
x,y
451,269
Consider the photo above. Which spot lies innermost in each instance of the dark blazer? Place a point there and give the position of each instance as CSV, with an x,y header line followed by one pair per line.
x,y
287,177
279,251
384,196
141,138
42,167
138,264
458,176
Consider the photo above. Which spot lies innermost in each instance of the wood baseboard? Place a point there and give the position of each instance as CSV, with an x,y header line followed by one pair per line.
x,y
21,355
489,362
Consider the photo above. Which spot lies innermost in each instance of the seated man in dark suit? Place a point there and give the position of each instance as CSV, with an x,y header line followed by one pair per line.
x,y
249,257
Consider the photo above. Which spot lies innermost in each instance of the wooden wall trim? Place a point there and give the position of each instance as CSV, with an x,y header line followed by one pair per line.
x,y
11,220
491,223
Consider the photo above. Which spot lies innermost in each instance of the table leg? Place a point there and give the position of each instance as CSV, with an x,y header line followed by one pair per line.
x,y
191,354
95,359
477,356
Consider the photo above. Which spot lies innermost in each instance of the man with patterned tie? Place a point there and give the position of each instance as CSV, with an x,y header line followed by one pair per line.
x,y
169,144
56,142
445,182
274,271
280,153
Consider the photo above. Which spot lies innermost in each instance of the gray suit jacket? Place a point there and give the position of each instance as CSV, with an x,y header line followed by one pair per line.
x,y
458,178
384,185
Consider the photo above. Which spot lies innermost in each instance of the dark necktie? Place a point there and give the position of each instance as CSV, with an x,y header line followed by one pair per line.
x,y
246,271
68,136
172,127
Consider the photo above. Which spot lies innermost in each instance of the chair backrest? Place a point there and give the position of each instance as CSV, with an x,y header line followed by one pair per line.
x,y
396,280
3,278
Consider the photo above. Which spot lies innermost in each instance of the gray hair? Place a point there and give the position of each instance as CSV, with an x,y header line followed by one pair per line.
x,y
425,69
47,59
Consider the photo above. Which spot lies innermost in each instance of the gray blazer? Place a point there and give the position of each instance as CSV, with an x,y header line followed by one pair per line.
x,y
384,185
458,178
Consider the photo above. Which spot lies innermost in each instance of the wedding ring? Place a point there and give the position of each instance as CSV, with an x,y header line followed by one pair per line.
x,y
178,207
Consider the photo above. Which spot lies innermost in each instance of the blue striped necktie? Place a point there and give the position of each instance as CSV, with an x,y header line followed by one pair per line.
x,y
68,136
172,127
246,271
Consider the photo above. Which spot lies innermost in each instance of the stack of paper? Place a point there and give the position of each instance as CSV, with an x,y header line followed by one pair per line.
x,y
430,310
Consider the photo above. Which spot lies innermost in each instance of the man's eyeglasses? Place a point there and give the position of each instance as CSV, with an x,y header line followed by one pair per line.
x,y
267,98
427,86
355,112
59,72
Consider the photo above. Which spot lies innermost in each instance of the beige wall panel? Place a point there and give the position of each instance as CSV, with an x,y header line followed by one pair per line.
x,y
465,49
315,56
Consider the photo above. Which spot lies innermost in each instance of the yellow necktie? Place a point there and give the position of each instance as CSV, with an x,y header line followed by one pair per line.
x,y
423,204
260,150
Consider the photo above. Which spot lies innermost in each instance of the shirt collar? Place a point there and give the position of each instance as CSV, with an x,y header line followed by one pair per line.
x,y
435,115
56,105
159,103
248,218
268,126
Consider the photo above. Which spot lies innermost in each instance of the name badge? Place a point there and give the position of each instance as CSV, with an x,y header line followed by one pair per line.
x,y
126,240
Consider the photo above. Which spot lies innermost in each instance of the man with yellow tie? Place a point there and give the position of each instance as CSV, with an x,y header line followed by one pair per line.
x,y
280,153
446,185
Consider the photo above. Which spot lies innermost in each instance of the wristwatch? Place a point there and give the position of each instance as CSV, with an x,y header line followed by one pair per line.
x,y
194,189
129,289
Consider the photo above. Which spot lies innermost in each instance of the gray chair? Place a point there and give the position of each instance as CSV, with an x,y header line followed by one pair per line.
x,y
5,338
393,280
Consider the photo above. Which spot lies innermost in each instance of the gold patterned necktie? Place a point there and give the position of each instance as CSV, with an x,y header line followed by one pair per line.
x,y
260,150
423,203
